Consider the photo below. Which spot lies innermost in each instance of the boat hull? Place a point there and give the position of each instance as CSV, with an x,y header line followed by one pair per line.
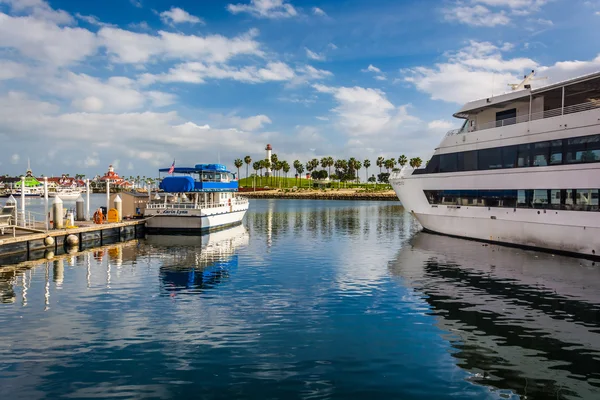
x,y
565,231
194,221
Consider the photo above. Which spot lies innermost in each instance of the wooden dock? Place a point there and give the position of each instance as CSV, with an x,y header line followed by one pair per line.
x,y
32,244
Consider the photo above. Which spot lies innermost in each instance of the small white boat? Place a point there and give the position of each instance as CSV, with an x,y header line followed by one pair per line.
x,y
206,203
66,193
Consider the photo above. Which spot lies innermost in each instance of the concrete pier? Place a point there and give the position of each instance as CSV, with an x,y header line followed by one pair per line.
x,y
31,244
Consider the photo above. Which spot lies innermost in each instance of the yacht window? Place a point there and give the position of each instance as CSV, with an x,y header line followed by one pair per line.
x,y
556,152
523,156
541,154
507,117
448,162
433,166
490,158
555,199
467,161
509,156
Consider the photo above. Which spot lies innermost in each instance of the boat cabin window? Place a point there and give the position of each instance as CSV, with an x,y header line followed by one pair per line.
x,y
508,117
582,149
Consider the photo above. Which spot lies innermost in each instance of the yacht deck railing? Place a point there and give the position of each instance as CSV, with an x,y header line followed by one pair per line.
x,y
557,112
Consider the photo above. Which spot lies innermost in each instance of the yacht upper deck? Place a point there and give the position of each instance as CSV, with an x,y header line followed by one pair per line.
x,y
521,106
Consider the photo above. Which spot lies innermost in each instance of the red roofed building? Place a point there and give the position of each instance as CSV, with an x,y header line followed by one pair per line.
x,y
114,179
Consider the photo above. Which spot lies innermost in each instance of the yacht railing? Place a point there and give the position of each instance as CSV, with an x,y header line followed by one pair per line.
x,y
194,206
557,112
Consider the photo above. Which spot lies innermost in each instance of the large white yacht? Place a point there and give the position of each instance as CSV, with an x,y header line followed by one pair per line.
x,y
524,169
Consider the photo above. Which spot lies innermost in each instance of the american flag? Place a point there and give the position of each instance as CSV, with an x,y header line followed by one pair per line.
x,y
172,168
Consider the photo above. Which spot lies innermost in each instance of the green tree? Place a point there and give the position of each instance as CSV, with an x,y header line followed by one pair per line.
x,y
274,160
256,166
238,164
389,164
286,168
247,160
402,160
300,170
297,164
367,164
415,162
380,162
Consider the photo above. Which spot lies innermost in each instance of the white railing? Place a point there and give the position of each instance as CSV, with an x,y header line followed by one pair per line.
x,y
193,206
557,112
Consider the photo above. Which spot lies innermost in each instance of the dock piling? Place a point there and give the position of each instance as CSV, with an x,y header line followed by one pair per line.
x,y
57,212
79,216
87,201
23,201
46,216
119,206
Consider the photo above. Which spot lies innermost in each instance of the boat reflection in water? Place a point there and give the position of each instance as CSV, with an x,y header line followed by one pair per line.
x,y
193,263
518,320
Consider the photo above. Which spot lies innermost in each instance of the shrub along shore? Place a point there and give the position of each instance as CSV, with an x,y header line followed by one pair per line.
x,y
329,194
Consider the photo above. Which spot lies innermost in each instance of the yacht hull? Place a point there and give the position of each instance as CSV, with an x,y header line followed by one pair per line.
x,y
566,231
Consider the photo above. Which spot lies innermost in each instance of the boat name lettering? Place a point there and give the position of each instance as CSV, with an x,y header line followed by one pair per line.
x,y
175,212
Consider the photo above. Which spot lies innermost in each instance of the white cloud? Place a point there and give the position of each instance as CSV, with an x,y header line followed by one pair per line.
x,y
131,47
251,124
319,12
92,20
265,9
115,94
475,71
12,70
441,125
41,10
136,3
379,75
364,111
314,56
14,159
37,39
332,46
371,68
130,166
197,72
518,7
177,15
91,160
475,15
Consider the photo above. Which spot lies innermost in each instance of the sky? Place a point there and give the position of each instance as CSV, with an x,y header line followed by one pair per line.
x,y
140,83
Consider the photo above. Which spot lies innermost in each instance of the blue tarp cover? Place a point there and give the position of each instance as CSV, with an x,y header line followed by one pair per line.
x,y
177,184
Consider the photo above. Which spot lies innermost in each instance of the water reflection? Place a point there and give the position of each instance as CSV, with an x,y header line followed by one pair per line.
x,y
519,320
198,262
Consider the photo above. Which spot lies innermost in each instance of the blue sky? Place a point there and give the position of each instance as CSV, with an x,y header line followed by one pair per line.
x,y
139,83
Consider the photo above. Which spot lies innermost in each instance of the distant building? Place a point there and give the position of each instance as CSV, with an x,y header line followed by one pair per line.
x,y
114,179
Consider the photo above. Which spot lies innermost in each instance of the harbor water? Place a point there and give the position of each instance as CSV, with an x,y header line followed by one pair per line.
x,y
306,299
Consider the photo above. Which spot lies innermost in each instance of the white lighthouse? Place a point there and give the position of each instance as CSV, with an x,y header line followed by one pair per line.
x,y
269,150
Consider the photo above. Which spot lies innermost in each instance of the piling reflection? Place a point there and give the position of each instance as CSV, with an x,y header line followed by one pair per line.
x,y
518,320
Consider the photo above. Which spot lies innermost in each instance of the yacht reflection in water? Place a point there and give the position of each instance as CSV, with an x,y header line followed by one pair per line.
x,y
198,262
518,320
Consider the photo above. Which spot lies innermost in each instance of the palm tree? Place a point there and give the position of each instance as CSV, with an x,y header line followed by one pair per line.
x,y
300,170
267,165
310,166
367,164
274,164
247,160
358,166
380,162
238,163
286,168
389,164
402,160
415,162
256,166
352,166
297,165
